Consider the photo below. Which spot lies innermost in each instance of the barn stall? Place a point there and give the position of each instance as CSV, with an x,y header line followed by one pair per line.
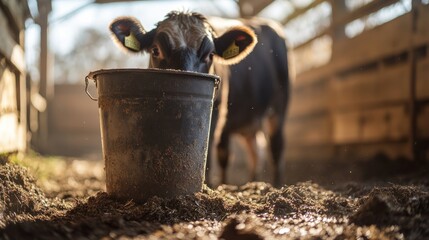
x,y
358,109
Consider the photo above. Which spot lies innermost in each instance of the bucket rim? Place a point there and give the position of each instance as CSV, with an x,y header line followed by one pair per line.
x,y
93,74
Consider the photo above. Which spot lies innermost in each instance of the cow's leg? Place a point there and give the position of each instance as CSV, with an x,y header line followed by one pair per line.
x,y
276,145
223,154
253,155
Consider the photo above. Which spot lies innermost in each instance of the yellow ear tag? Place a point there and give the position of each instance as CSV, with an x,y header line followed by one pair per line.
x,y
232,51
132,42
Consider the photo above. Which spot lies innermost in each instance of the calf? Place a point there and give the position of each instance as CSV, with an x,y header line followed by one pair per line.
x,y
186,41
257,96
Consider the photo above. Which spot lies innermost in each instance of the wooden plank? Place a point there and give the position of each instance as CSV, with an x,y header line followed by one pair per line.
x,y
314,75
423,122
13,129
346,152
365,10
359,152
22,128
422,26
347,163
338,11
385,40
19,12
370,46
380,42
256,6
300,11
304,152
9,132
76,131
315,54
371,125
346,18
8,98
310,131
378,86
81,115
74,144
309,99
422,78
9,48
8,112
310,40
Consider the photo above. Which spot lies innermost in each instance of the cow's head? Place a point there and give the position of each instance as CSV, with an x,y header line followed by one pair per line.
x,y
183,41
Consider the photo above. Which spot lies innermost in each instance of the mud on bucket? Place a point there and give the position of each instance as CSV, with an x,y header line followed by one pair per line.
x,y
154,129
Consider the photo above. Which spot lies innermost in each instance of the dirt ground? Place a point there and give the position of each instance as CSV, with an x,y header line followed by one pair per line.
x,y
68,201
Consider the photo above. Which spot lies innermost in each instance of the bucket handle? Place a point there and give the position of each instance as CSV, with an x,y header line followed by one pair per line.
x,y
216,85
86,87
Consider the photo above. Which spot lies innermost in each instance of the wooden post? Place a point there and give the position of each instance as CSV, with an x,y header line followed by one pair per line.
x,y
337,32
339,9
250,8
414,144
46,84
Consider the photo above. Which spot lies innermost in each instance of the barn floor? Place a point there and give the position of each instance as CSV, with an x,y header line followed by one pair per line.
x,y
68,202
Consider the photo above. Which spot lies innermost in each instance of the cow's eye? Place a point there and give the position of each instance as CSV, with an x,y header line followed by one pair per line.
x,y
155,52
209,57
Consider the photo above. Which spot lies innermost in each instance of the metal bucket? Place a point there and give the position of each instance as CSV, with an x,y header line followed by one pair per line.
x,y
154,130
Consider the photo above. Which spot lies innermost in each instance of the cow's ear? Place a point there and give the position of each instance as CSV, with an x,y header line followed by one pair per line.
x,y
234,45
129,34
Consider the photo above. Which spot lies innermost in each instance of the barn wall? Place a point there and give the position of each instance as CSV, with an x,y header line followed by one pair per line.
x,y
371,99
74,126
12,76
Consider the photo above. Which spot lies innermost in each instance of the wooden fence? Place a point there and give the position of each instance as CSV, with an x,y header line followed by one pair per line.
x,y
74,128
13,100
372,97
